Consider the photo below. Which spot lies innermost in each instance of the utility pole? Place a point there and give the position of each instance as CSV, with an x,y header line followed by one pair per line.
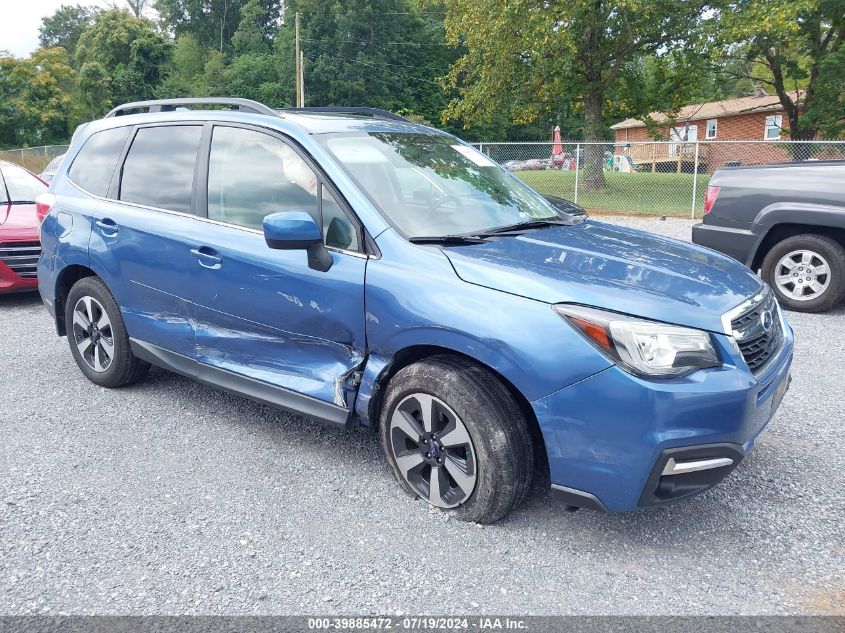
x,y
302,78
300,89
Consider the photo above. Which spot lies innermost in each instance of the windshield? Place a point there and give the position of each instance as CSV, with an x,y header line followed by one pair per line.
x,y
21,186
433,185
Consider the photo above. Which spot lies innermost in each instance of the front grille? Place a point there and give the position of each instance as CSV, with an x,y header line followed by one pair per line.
x,y
756,344
21,257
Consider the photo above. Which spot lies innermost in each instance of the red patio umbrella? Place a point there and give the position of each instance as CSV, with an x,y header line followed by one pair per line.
x,y
557,144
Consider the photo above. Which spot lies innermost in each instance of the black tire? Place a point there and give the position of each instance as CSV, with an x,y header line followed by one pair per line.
x,y
499,433
830,250
123,367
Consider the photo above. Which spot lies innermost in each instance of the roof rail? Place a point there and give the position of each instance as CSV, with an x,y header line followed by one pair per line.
x,y
376,113
168,105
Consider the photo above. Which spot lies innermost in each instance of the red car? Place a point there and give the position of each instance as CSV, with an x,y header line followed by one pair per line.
x,y
19,239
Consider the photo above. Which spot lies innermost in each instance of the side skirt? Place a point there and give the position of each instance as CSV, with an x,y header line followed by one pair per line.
x,y
241,385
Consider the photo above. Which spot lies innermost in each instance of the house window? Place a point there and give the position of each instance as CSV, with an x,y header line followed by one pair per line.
x,y
712,124
773,127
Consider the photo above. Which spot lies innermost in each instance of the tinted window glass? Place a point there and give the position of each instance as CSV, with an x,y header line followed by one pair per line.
x,y
338,231
93,167
159,168
21,185
251,175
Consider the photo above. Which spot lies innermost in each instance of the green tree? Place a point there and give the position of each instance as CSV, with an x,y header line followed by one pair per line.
x,y
65,26
249,37
137,7
525,57
123,54
186,70
94,91
214,74
379,53
214,22
255,76
796,48
36,96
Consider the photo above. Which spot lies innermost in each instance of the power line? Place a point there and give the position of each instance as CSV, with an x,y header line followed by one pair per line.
x,y
378,65
375,78
370,13
325,52
379,43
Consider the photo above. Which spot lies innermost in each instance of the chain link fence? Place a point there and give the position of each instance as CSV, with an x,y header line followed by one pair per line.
x,y
35,159
661,178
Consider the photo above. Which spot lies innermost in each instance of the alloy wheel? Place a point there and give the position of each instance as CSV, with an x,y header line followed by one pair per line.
x,y
92,334
802,275
433,450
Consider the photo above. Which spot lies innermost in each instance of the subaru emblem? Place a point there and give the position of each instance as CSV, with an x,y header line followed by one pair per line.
x,y
767,321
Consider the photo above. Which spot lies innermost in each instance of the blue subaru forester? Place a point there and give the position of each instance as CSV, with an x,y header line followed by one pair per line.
x,y
364,270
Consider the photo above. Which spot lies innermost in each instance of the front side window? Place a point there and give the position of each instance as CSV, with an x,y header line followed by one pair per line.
x,y
430,185
338,231
773,127
252,174
159,168
93,167
21,186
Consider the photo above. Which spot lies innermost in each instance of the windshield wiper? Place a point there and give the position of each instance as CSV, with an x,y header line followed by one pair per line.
x,y
521,227
448,239
480,237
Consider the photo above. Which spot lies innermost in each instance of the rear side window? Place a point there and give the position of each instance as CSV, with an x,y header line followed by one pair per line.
x,y
93,167
21,185
159,168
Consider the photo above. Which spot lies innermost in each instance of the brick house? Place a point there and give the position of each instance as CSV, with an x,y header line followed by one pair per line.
x,y
759,117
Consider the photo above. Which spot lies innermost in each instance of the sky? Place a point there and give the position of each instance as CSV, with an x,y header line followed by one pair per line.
x,y
20,19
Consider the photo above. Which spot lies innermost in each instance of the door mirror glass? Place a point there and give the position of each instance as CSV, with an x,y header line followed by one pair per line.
x,y
291,230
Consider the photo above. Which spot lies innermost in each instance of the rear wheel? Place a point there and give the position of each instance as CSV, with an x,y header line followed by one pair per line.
x,y
455,437
807,272
97,336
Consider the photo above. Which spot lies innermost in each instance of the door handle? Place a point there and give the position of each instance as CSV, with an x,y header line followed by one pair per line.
x,y
107,226
207,257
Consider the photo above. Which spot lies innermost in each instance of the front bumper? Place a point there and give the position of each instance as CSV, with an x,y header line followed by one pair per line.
x,y
11,282
609,437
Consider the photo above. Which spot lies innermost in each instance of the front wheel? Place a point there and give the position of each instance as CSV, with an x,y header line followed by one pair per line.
x,y
807,272
454,436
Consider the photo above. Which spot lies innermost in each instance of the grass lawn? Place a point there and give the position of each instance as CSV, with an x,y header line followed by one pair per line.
x,y
633,194
34,162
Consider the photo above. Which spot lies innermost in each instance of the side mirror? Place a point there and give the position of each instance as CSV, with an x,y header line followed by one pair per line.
x,y
297,230
291,230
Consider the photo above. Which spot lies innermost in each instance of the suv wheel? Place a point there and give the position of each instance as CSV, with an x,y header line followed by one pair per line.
x,y
807,272
97,336
454,436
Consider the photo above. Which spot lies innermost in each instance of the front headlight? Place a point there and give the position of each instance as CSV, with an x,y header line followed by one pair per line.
x,y
644,348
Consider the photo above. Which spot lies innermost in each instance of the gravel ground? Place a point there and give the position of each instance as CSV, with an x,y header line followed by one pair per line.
x,y
170,497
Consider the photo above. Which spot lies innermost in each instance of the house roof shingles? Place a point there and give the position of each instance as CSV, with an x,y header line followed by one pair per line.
x,y
712,110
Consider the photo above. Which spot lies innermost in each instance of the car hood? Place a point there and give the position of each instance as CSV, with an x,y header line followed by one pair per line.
x,y
611,267
18,222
